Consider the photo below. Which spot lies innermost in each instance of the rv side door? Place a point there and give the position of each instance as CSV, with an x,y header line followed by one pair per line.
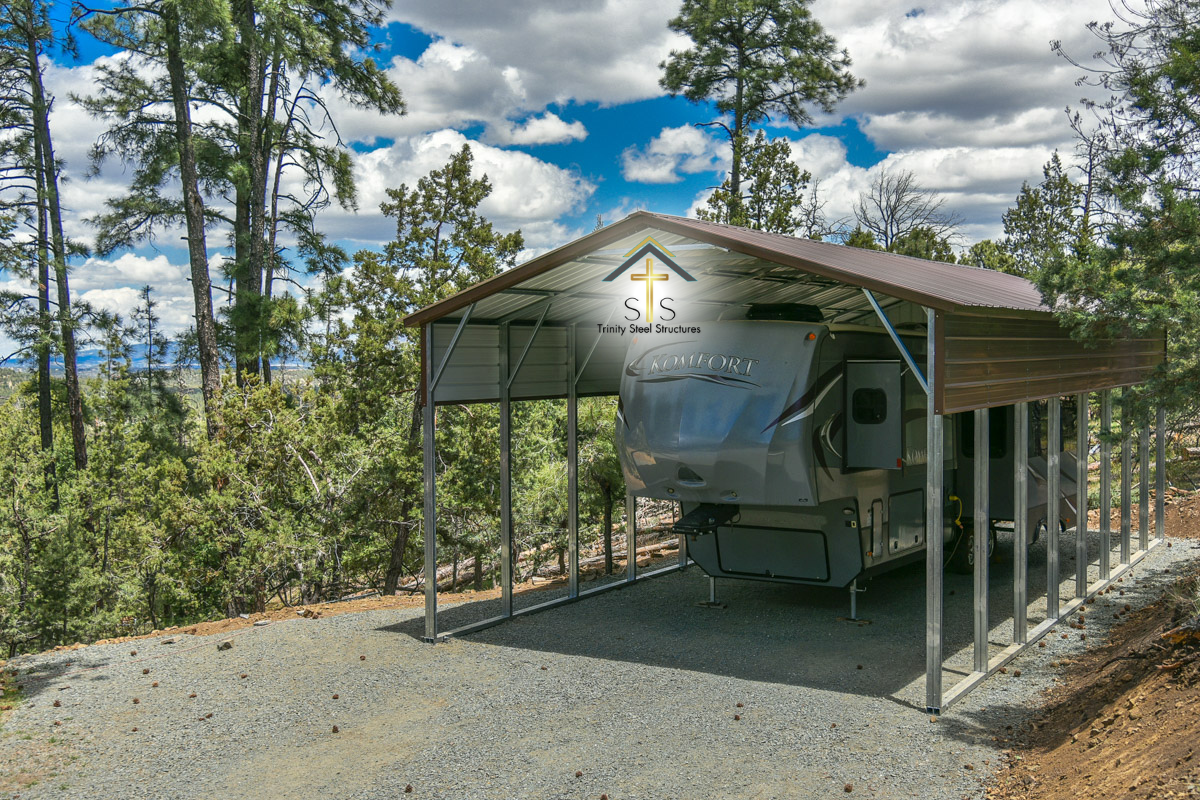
x,y
873,419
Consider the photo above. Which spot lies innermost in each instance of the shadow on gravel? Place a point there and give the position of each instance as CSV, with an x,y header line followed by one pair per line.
x,y
775,633
47,677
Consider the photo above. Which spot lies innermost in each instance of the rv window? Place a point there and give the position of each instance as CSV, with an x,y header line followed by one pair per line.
x,y
869,406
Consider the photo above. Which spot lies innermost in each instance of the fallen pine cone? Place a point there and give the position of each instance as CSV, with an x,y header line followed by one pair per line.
x,y
154,685
335,729
335,697
146,671
133,652
849,787
136,701
578,774
408,789
737,716
362,658
193,694
57,704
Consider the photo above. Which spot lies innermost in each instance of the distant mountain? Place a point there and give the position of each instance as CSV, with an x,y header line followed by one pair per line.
x,y
89,361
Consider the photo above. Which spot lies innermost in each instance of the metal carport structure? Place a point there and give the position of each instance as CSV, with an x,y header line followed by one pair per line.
x,y
538,331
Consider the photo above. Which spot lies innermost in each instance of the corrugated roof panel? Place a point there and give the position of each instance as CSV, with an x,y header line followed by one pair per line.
x,y
760,264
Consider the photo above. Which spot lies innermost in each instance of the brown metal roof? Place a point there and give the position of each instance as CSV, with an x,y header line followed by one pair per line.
x,y
947,287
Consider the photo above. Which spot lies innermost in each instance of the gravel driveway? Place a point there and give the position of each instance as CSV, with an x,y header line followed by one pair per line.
x,y
636,689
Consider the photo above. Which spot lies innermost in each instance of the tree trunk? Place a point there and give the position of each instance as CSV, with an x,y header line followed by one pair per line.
x,y
49,182
478,582
45,334
193,212
252,211
395,570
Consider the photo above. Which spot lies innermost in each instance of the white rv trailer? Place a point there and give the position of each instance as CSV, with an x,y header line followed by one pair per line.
x,y
798,451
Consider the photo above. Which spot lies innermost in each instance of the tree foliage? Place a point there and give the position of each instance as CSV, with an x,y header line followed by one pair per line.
x,y
1144,277
774,195
755,60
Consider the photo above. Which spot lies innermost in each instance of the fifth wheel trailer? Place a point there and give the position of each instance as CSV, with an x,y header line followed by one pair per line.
x,y
797,449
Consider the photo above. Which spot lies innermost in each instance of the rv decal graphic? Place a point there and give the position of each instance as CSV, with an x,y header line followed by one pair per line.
x,y
809,401
657,365
650,250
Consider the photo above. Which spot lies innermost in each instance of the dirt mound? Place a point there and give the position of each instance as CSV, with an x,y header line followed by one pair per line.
x,y
1126,722
1183,515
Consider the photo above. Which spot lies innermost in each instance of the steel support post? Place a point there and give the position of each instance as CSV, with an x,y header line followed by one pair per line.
x,y
1081,496
1053,481
934,533
1144,486
1021,524
1106,420
1126,481
630,538
683,553
506,537
428,419
982,537
1160,474
572,467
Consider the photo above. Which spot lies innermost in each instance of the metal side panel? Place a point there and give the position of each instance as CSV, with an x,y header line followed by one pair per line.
x,y
472,374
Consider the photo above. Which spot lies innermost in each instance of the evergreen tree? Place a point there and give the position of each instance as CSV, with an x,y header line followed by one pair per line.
x,y
1048,224
774,195
754,60
1146,277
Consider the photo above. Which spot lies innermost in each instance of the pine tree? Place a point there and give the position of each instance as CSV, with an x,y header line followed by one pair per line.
x,y
755,60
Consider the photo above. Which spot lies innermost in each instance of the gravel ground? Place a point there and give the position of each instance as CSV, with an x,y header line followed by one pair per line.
x,y
636,689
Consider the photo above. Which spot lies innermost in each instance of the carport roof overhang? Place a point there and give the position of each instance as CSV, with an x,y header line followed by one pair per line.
x,y
996,342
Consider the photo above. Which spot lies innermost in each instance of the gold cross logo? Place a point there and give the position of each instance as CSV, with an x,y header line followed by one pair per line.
x,y
650,277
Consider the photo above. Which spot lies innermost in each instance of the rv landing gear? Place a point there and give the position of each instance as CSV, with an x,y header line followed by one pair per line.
x,y
854,590
712,595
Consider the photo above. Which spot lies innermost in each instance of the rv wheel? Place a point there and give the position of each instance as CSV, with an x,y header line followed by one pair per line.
x,y
962,555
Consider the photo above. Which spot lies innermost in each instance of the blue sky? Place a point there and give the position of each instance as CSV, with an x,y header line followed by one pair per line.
x,y
560,101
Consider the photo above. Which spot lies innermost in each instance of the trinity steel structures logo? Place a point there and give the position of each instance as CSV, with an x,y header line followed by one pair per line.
x,y
649,303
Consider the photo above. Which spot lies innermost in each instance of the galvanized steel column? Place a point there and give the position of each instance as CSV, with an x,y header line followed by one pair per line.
x,y
428,422
1126,480
1021,524
1160,474
1144,484
506,565
1081,496
1053,474
572,467
934,508
982,538
1106,414
630,538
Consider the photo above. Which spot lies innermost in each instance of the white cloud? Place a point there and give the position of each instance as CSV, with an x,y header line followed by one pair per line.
x,y
960,72
548,128
604,51
527,193
685,149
